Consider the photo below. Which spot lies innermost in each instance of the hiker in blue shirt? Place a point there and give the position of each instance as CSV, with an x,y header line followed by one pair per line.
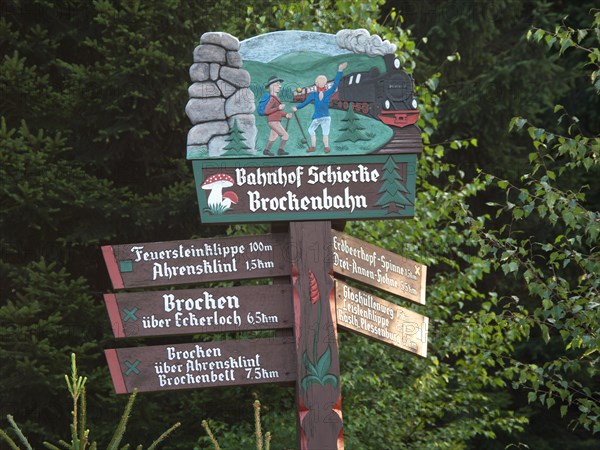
x,y
321,115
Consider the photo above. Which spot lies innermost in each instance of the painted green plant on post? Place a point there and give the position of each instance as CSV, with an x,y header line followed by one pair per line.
x,y
318,368
217,209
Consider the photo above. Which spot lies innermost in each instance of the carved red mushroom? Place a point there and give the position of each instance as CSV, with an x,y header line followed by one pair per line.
x,y
229,198
215,185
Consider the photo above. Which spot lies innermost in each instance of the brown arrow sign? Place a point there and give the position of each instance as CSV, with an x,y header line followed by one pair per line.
x,y
194,311
379,268
203,364
381,320
197,261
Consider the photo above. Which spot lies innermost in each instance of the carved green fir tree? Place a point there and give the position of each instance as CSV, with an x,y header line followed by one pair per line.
x,y
393,193
353,130
236,142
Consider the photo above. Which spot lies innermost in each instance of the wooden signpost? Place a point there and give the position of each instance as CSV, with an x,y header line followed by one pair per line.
x,y
379,268
196,261
213,364
380,319
294,127
195,311
318,383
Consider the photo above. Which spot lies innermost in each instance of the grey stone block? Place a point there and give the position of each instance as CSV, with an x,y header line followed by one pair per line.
x,y
234,59
216,145
242,102
215,70
210,53
227,90
199,72
206,109
204,90
225,40
200,134
237,77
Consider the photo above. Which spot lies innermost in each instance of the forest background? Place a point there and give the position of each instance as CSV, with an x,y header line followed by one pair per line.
x,y
92,152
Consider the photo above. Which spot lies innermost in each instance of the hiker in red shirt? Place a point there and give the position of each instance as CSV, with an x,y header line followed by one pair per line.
x,y
274,112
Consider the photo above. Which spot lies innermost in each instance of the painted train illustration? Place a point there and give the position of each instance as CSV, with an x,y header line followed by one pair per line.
x,y
385,96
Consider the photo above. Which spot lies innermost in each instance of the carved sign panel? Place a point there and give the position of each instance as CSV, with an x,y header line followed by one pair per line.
x,y
299,93
379,268
380,319
197,261
201,365
373,187
193,311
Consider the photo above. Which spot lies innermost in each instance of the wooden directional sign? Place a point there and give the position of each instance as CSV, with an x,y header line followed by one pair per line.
x,y
381,320
377,267
196,261
194,311
347,187
203,364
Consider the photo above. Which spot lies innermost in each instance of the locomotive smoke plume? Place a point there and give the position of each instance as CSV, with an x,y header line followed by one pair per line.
x,y
361,41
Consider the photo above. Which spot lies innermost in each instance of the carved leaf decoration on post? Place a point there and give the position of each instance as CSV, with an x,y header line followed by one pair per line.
x,y
314,288
318,368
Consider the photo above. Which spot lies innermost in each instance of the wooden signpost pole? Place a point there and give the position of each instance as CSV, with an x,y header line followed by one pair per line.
x,y
239,179
318,388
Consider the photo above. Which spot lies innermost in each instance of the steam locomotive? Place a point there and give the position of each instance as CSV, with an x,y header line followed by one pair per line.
x,y
385,96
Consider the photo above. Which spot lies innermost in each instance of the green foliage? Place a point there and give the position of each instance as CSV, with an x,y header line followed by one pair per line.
x,y
564,37
261,443
311,15
562,272
19,434
80,434
64,192
48,198
42,322
497,74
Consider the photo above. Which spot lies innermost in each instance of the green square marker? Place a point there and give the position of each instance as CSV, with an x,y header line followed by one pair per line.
x,y
126,266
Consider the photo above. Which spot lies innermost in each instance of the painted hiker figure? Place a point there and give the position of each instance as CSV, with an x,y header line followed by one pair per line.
x,y
321,117
274,112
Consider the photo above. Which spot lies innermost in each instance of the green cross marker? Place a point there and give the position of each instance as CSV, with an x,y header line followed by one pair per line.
x,y
132,367
130,315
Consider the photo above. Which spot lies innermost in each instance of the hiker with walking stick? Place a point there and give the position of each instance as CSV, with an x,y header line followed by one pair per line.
x,y
321,116
274,112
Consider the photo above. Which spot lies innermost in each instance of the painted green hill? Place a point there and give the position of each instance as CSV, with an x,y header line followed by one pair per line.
x,y
301,68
